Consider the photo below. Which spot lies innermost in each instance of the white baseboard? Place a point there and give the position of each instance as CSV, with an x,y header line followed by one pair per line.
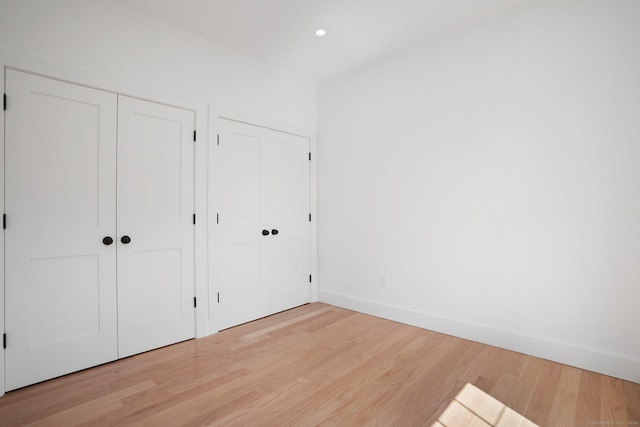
x,y
604,363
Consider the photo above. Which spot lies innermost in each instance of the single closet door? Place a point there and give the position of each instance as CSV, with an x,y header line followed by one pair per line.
x,y
286,183
155,225
60,277
240,255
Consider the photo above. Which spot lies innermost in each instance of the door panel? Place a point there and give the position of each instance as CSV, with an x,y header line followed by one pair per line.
x,y
286,177
61,306
244,284
239,252
60,203
161,287
155,210
237,169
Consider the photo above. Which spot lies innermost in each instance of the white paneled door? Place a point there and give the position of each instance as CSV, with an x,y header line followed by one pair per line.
x,y
260,239
239,253
155,225
99,227
60,277
286,184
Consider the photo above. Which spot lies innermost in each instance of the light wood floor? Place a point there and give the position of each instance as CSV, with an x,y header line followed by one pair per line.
x,y
320,365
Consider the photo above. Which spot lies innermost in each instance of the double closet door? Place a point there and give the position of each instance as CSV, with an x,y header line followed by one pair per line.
x,y
261,231
99,234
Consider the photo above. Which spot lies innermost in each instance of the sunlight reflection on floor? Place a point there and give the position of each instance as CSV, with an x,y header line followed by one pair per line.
x,y
473,407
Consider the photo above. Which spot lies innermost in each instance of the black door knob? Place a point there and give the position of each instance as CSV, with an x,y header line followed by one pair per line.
x,y
125,239
107,240
274,231
265,232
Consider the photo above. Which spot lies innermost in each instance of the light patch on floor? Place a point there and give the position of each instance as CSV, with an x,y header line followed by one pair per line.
x,y
289,322
473,407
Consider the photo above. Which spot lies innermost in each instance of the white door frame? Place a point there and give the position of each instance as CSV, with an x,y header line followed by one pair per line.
x,y
36,66
216,113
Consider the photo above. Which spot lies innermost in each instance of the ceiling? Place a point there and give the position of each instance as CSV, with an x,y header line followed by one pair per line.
x,y
282,32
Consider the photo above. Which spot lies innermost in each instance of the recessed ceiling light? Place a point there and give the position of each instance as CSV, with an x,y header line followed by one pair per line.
x,y
321,32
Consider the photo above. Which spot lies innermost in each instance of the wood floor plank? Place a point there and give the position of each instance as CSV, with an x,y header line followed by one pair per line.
x,y
425,395
612,400
88,411
285,323
632,402
320,365
563,410
522,393
542,400
589,395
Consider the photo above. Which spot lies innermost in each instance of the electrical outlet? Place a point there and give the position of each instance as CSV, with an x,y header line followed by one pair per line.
x,y
382,280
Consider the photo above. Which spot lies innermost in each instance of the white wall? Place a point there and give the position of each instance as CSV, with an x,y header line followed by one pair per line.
x,y
494,177
108,39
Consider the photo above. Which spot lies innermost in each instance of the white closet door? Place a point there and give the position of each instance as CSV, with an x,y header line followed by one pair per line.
x,y
286,182
260,241
239,252
60,204
155,211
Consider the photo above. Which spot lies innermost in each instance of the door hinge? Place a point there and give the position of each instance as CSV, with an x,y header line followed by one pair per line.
x,y
194,219
309,156
4,101
4,340
309,278
217,139
195,304
4,221
194,136
218,296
